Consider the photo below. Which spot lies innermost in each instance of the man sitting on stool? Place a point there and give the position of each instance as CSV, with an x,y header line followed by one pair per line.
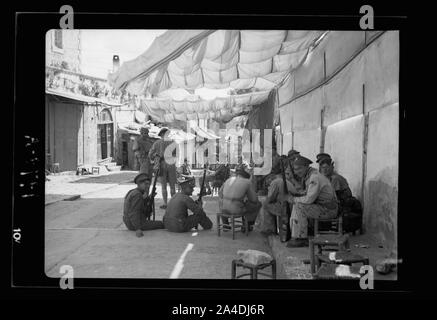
x,y
237,196
176,218
319,201
134,213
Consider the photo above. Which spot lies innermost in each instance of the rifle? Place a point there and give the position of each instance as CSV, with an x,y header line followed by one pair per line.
x,y
150,200
284,231
202,187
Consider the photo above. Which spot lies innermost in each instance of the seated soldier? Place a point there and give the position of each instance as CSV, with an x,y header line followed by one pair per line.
x,y
221,175
319,201
349,207
176,218
273,204
134,214
184,170
237,196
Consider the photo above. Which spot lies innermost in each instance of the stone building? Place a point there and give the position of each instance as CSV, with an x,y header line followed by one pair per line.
x,y
81,110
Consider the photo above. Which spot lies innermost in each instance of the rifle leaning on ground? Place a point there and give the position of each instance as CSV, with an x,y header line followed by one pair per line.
x,y
202,187
150,200
284,231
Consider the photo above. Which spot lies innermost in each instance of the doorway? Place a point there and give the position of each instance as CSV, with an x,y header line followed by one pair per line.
x,y
105,135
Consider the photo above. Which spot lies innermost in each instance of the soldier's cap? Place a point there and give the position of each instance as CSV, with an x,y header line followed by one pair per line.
x,y
292,152
141,178
162,131
321,156
183,180
302,161
325,160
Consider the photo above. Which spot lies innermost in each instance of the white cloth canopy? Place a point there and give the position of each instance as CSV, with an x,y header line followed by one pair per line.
x,y
212,74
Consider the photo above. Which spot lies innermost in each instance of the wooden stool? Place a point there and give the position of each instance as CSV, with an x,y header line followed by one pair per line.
x,y
254,269
338,222
95,170
341,242
55,168
327,272
234,225
341,257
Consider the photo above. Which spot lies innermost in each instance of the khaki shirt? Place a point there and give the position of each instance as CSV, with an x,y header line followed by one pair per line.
x,y
318,190
178,206
234,192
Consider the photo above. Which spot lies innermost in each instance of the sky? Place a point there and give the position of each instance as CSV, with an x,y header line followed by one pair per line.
x,y
98,47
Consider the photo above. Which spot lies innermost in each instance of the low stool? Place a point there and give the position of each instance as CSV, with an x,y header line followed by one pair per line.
x,y
336,222
328,272
340,257
255,270
320,242
235,223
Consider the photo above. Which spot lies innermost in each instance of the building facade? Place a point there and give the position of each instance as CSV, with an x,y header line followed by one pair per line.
x,y
81,110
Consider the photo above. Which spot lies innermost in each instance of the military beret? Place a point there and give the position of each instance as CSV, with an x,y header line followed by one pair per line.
x,y
141,177
321,156
292,152
302,161
182,180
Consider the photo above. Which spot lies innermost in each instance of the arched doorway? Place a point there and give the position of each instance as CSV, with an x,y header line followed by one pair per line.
x,y
105,135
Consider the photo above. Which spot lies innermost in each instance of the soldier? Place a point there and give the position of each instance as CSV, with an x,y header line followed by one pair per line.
x,y
273,204
237,196
134,213
167,170
141,147
184,170
319,201
176,218
349,207
294,179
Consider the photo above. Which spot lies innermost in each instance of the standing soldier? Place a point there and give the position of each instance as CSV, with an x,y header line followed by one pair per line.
x,y
141,147
167,171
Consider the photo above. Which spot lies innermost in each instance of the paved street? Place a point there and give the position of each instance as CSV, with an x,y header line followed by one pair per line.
x,y
89,235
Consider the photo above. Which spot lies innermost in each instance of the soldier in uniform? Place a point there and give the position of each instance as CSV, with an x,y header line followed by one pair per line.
x,y
318,201
141,147
349,207
134,213
167,171
273,203
176,218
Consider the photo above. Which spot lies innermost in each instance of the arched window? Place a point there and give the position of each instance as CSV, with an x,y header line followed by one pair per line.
x,y
105,116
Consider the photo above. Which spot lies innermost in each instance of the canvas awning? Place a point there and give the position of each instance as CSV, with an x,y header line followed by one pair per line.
x,y
212,74
80,97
